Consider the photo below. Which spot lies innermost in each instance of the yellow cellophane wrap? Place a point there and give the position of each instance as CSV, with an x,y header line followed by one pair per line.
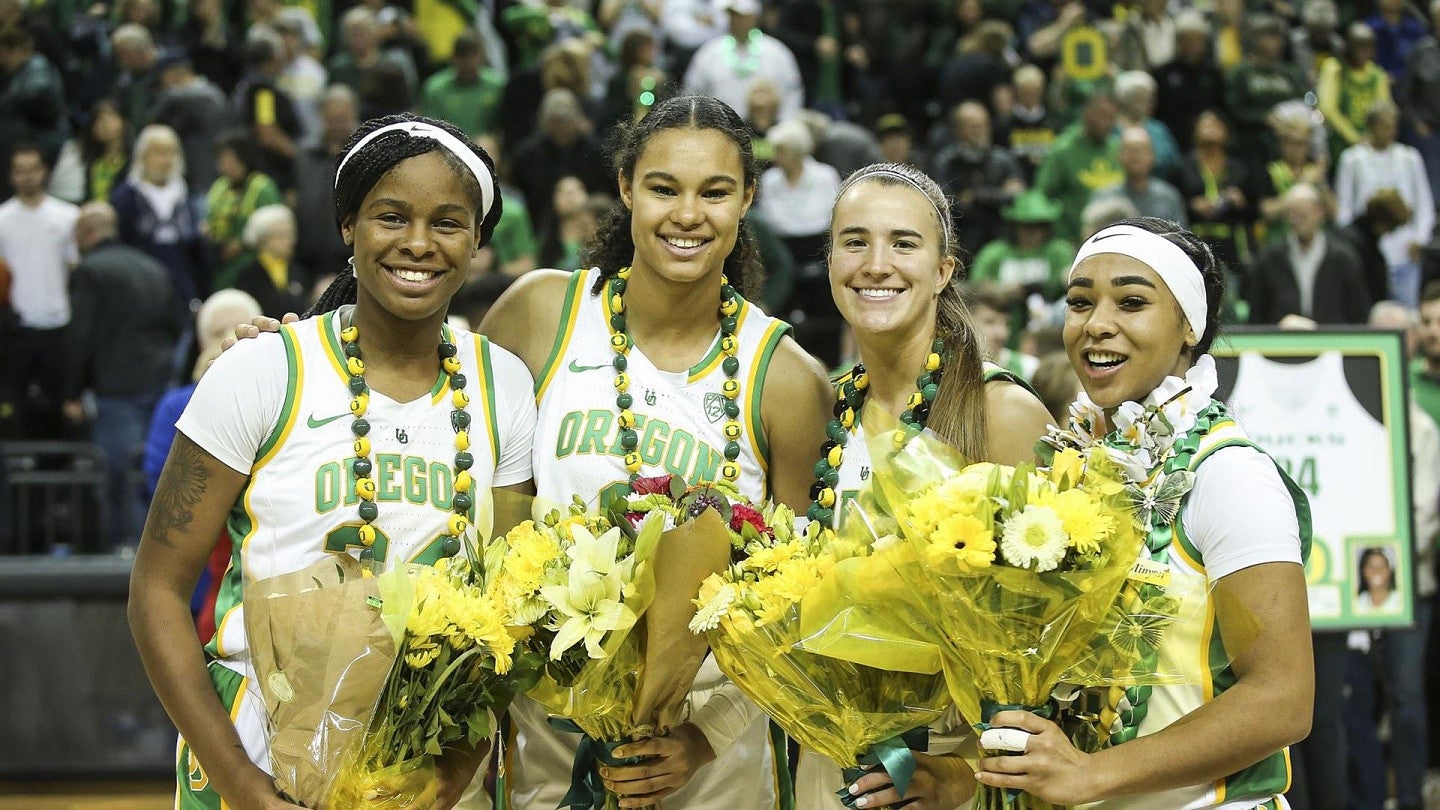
x,y
638,689
1008,636
829,704
329,645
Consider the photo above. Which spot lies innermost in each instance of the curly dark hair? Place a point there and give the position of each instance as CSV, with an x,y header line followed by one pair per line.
x,y
1212,270
365,168
614,247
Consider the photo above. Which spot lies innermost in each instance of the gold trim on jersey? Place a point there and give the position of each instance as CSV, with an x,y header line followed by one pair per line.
x,y
295,381
569,314
754,392
486,379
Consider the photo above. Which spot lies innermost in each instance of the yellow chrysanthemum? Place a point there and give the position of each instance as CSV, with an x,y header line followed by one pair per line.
x,y
1085,521
771,558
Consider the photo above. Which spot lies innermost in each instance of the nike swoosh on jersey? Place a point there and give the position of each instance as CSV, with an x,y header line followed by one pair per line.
x,y
315,423
579,369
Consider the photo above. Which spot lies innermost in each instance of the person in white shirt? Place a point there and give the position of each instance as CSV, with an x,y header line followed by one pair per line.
x,y
1381,162
726,67
1142,304
796,193
37,241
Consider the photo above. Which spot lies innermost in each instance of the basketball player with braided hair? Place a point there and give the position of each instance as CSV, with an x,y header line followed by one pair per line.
x,y
352,432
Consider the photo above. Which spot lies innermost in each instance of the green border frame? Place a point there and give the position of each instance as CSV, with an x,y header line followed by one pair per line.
x,y
1388,348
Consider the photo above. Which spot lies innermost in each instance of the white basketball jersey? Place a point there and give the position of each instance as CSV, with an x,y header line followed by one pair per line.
x,y
680,420
679,416
855,465
300,505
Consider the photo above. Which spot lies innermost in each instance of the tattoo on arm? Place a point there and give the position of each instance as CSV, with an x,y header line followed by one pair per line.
x,y
182,484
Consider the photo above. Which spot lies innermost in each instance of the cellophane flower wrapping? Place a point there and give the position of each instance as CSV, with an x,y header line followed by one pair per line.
x,y
775,620
369,675
1020,575
602,589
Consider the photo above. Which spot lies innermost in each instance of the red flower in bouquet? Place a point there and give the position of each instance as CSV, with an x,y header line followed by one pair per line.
x,y
652,485
741,514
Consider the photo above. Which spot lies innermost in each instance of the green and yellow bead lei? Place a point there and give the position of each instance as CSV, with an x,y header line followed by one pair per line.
x,y
849,400
459,421
621,342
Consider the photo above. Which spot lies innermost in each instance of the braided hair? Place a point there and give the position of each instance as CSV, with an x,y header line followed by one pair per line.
x,y
366,167
1212,270
614,245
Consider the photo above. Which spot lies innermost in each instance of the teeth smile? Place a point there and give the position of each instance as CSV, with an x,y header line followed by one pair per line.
x,y
876,293
684,243
413,275
1104,358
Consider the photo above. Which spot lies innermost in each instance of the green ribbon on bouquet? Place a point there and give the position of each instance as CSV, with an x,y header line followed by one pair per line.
x,y
988,710
896,755
587,791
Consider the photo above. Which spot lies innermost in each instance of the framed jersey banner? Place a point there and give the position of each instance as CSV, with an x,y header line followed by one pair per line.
x,y
1330,407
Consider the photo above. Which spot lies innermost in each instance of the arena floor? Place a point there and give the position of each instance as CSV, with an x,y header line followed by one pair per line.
x,y
156,795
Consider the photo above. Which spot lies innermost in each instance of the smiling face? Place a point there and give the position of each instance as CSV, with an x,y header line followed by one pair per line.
x,y
686,196
1376,571
414,236
1124,331
886,263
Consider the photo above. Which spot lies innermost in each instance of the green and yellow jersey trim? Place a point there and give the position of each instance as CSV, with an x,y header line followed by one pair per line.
x,y
569,314
487,382
329,330
754,391
295,379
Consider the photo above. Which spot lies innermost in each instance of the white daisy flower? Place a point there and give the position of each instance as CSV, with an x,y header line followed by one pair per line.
x,y
1034,538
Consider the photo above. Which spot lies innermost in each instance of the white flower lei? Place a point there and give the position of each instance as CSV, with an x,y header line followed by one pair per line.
x,y
1145,436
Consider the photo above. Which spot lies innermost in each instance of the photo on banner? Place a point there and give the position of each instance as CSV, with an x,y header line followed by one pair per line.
x,y
1331,407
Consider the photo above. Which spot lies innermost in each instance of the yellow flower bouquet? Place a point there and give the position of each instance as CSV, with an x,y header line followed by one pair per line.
x,y
608,594
774,619
369,677
1020,574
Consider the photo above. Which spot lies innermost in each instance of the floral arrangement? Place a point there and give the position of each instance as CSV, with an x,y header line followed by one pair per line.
x,y
1019,571
774,619
606,592
460,661
369,677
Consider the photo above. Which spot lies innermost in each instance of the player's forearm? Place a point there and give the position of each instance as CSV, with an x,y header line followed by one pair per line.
x,y
160,621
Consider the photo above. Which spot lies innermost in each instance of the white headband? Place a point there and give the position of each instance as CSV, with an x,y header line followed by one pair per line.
x,y
455,146
1174,267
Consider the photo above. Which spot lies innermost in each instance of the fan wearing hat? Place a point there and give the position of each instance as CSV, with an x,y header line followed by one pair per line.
x,y
1030,255
1350,86
727,67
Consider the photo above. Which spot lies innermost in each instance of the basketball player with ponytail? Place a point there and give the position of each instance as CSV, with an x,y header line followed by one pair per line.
x,y
894,275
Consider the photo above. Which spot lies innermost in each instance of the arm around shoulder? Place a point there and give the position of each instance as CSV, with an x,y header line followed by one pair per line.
x,y
526,319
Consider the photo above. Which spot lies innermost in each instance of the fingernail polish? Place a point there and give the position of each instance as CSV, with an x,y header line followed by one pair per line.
x,y
854,789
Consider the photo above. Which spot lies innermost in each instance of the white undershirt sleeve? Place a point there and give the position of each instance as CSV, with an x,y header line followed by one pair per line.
x,y
725,716
237,403
515,417
1240,513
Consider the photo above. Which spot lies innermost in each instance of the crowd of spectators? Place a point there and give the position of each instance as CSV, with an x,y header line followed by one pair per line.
x,y
158,153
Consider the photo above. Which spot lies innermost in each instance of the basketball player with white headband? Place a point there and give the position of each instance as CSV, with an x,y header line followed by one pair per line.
x,y
1142,309
382,388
